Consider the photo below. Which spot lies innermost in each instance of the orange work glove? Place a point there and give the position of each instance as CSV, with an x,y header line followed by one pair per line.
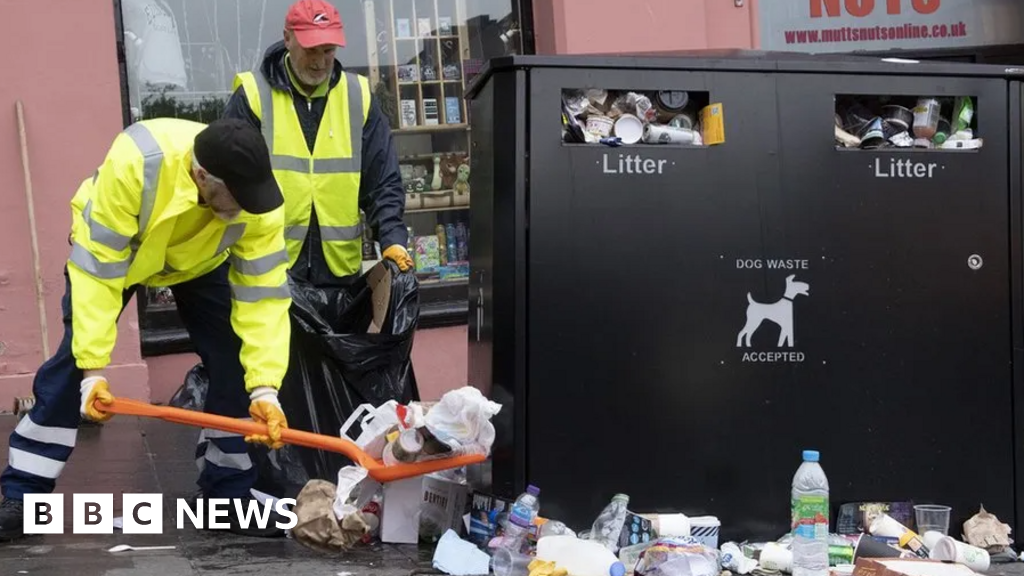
x,y
95,388
399,255
266,409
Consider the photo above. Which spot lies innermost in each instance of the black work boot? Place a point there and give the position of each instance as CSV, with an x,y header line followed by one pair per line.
x,y
12,520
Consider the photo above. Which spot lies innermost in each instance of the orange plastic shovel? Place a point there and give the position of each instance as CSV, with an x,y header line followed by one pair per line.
x,y
376,469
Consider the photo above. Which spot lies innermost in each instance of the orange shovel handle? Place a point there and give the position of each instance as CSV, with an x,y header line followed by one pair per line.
x,y
376,469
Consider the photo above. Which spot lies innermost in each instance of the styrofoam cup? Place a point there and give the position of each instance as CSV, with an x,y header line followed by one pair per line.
x,y
776,558
952,550
886,527
629,128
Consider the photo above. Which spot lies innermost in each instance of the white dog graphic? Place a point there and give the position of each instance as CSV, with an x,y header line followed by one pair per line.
x,y
780,312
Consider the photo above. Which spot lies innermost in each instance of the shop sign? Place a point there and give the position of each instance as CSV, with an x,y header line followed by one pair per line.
x,y
883,25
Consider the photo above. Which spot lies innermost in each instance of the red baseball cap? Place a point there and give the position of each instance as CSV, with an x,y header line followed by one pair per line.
x,y
315,22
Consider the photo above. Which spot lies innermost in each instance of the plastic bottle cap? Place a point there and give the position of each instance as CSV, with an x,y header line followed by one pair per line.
x,y
532,490
617,569
811,455
622,497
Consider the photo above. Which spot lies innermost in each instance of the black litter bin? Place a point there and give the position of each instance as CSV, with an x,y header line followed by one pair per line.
x,y
679,321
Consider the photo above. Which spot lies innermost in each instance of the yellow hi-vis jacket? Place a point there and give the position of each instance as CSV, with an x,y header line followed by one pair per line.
x,y
328,178
137,221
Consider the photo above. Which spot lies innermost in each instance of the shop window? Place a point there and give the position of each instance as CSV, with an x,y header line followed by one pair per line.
x,y
182,55
642,117
872,122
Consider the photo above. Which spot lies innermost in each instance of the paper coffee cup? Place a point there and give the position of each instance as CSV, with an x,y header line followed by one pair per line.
x,y
599,125
776,558
868,547
931,538
629,128
949,549
885,526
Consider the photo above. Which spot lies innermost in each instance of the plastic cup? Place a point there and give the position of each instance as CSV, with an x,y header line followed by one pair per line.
x,y
932,518
505,562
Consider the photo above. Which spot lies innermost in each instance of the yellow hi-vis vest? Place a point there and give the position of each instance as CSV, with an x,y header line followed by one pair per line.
x,y
328,179
138,221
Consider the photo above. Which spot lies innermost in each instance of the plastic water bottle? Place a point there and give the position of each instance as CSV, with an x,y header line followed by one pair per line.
x,y
609,523
810,507
520,519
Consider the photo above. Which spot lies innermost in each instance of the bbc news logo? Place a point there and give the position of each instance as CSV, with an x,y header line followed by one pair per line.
x,y
144,513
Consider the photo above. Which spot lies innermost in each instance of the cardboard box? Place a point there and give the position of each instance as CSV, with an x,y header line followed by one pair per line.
x,y
422,508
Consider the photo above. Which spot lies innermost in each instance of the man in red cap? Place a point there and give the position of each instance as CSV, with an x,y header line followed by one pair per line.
x,y
330,146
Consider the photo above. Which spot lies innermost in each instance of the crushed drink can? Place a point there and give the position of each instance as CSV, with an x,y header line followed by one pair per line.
x,y
661,134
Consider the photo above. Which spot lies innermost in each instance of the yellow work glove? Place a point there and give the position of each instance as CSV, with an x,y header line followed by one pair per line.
x,y
399,255
265,409
544,568
95,388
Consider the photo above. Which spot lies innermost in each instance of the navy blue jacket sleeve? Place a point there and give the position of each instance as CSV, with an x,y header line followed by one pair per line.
x,y
381,195
238,107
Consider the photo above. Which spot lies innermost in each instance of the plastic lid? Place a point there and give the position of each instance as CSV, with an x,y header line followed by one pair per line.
x,y
811,456
623,497
532,490
617,569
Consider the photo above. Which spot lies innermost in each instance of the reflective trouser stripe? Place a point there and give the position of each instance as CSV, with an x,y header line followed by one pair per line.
x,y
46,434
223,449
34,464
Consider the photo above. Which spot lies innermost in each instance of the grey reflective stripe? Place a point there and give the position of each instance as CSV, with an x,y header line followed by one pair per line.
x,y
267,108
292,163
153,159
107,270
231,235
260,265
100,233
355,116
257,293
211,433
336,165
46,434
339,233
217,457
296,232
34,463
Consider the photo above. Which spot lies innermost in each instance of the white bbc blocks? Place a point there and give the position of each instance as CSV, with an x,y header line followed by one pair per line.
x,y
93,513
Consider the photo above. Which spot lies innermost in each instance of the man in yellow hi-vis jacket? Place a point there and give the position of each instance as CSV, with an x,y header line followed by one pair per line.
x,y
195,208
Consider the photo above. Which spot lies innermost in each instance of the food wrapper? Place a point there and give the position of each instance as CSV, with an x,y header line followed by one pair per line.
x,y
984,530
633,103
576,102
684,556
598,99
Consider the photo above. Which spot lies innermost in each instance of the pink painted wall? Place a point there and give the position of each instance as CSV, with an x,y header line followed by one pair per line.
x,y
72,113
614,26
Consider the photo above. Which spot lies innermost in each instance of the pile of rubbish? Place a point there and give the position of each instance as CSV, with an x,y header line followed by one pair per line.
x,y
872,122
616,117
358,510
871,538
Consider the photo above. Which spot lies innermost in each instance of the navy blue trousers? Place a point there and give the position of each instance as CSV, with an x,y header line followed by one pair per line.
x,y
45,437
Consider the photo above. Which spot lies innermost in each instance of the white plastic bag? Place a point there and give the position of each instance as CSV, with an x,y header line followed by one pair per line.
x,y
373,426
462,420
355,489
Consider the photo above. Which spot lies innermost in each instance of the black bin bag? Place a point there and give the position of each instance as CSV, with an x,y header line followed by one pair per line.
x,y
349,346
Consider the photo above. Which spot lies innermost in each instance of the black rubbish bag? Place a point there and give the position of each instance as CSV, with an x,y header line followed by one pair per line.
x,y
349,346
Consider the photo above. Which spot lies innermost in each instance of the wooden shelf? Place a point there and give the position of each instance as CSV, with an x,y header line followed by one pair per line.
x,y
428,210
431,128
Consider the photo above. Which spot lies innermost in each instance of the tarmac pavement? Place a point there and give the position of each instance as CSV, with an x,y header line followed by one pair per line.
x,y
142,455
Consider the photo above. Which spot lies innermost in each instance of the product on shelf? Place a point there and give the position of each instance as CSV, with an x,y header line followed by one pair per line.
x,y
615,117
887,122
